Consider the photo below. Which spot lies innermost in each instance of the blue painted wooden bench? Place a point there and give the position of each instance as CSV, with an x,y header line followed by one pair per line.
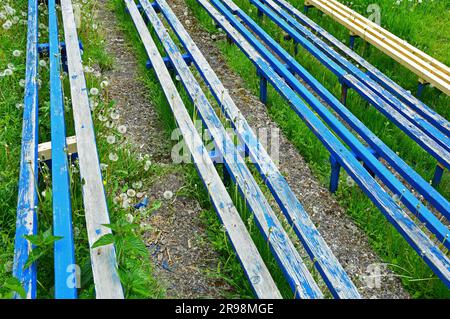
x,y
289,260
418,121
104,267
276,72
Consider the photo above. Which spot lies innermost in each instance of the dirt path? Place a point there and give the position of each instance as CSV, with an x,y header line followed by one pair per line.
x,y
348,243
177,242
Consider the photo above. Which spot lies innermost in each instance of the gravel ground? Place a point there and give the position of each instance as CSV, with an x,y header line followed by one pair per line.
x,y
347,241
178,247
177,242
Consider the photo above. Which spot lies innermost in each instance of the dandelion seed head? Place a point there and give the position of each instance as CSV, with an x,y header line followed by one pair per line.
x,y
103,166
115,115
17,53
350,182
137,185
8,72
129,217
43,63
122,129
94,91
147,165
111,139
113,157
168,195
131,192
7,25
104,84
22,82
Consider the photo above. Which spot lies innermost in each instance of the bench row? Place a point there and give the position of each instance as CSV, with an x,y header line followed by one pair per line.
x,y
104,266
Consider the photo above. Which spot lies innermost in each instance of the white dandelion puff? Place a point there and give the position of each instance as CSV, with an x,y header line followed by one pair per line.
x,y
93,91
109,124
113,157
22,82
122,129
140,195
104,84
7,25
131,192
111,139
129,217
147,165
102,118
123,196
114,115
19,106
8,72
137,185
17,53
168,195
43,63
103,166
350,182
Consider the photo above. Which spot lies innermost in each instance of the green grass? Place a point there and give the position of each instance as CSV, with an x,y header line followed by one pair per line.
x,y
386,241
129,169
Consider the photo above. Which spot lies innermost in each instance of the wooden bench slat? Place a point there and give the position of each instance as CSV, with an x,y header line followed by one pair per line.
x,y
45,149
289,259
431,254
247,252
335,276
104,265
26,223
411,51
384,44
411,123
64,251
429,114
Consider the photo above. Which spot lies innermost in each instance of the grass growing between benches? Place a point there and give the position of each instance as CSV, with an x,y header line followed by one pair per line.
x,y
391,247
124,170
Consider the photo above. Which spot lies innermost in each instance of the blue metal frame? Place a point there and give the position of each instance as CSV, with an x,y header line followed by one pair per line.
x,y
431,254
26,223
64,250
421,131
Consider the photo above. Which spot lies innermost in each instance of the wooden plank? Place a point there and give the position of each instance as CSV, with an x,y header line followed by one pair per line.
x,y
45,149
26,223
411,123
103,259
247,252
385,45
428,113
334,275
64,250
397,41
371,161
290,261
425,247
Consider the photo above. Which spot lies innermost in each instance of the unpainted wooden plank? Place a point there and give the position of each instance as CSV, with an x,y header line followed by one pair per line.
x,y
45,149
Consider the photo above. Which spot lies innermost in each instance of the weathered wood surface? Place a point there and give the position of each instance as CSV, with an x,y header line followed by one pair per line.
x,y
428,113
247,252
296,273
103,259
329,267
424,66
426,248
26,223
45,149
64,251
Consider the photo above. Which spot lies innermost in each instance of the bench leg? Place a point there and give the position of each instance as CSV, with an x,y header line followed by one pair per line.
x,y
352,41
260,13
306,9
437,177
262,89
344,92
335,172
420,87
